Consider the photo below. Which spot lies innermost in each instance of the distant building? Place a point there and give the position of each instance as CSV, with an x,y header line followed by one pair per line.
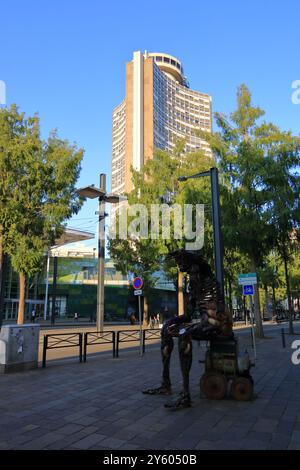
x,y
158,107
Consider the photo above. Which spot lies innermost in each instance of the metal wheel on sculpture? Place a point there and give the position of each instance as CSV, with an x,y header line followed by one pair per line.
x,y
213,385
242,388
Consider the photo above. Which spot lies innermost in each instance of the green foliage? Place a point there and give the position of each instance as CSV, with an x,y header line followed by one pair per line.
x,y
157,183
37,181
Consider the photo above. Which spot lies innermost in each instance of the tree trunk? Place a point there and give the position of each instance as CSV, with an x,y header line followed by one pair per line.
x,y
1,259
266,301
230,297
288,292
180,294
1,277
274,300
146,311
258,322
22,283
244,308
226,290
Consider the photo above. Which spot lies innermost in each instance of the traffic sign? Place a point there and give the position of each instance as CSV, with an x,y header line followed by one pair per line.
x,y
130,276
247,279
137,283
248,289
138,292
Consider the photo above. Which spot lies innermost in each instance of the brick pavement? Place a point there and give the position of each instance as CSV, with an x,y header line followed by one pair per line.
x,y
98,405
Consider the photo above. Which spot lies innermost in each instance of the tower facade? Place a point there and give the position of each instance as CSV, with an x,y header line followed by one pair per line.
x,y
159,107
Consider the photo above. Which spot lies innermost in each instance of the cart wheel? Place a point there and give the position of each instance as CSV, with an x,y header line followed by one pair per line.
x,y
213,385
242,388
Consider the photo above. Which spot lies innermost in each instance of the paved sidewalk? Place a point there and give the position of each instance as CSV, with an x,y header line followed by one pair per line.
x,y
99,405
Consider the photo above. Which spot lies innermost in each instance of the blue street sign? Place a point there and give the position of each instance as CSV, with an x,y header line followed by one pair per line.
x,y
247,279
137,283
248,289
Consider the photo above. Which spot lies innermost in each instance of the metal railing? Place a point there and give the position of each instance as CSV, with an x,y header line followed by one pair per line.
x,y
126,336
62,340
92,338
129,336
150,334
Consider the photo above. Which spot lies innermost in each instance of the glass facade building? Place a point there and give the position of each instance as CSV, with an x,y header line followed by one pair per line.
x,y
159,107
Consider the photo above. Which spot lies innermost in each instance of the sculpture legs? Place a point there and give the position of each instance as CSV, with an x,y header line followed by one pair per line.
x,y
186,357
167,345
166,348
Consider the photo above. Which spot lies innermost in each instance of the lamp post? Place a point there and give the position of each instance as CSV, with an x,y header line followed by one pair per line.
x,y
215,202
92,192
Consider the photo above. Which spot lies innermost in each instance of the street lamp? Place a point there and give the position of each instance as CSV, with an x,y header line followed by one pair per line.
x,y
215,202
92,192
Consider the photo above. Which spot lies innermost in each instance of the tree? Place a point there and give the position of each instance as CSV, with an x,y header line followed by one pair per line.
x,y
241,157
268,275
282,182
261,197
157,183
38,192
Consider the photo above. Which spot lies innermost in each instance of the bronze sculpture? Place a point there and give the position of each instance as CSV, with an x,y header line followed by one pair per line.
x,y
206,318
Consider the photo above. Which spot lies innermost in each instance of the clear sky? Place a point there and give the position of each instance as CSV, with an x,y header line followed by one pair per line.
x,y
66,60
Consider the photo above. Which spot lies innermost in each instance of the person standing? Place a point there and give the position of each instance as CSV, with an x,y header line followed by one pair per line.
x,y
33,314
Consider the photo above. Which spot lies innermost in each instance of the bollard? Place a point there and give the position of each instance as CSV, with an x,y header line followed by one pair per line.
x,y
80,347
85,340
144,340
117,343
45,345
114,344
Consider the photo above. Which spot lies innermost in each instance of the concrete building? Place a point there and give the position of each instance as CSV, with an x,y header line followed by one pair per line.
x,y
159,107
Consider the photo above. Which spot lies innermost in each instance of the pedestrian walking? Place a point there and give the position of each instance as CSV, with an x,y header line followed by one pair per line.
x,y
152,321
33,315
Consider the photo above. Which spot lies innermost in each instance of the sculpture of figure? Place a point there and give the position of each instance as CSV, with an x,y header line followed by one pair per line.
x,y
205,318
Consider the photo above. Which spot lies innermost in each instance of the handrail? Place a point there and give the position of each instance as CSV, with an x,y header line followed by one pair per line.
x,y
61,340
99,337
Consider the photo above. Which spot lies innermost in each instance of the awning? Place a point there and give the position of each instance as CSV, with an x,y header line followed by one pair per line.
x,y
71,235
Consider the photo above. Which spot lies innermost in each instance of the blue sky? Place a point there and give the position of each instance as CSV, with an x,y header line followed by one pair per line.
x,y
66,60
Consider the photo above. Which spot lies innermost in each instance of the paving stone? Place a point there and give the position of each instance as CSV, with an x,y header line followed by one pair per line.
x,y
42,442
265,425
294,445
295,436
279,442
261,436
89,441
113,443
285,427
70,429
98,405
254,444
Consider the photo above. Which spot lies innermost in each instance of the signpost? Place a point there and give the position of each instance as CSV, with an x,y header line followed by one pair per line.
x,y
248,289
137,285
138,292
248,281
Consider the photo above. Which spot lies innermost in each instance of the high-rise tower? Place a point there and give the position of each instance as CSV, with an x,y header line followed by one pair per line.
x,y
158,108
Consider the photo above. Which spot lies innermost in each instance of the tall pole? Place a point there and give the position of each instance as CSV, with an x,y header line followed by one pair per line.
x,y
3,271
54,285
141,329
101,257
47,286
218,246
